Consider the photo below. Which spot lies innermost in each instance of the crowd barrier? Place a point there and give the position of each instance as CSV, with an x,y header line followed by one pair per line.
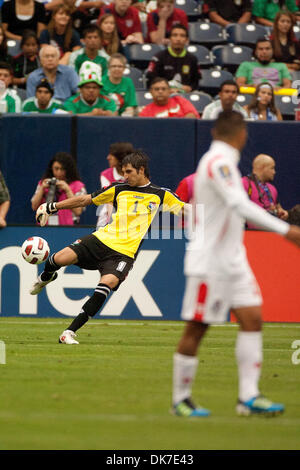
x,y
27,143
154,287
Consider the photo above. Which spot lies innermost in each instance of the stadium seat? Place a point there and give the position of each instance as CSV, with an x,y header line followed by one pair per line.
x,y
245,34
207,34
297,32
198,99
139,55
212,79
136,76
21,93
13,47
231,56
244,99
202,53
190,7
286,106
143,98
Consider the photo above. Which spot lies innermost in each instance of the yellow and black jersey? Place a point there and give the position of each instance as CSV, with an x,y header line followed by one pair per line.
x,y
135,209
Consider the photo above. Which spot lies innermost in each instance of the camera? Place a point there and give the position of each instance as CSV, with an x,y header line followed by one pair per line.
x,y
52,190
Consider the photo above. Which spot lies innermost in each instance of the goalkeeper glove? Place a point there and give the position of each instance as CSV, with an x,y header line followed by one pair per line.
x,y
44,211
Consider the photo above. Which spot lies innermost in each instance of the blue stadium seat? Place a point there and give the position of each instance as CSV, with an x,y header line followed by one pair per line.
x,y
244,99
139,55
297,32
245,34
190,7
286,106
136,76
202,53
21,92
143,98
198,99
212,79
230,56
13,47
207,34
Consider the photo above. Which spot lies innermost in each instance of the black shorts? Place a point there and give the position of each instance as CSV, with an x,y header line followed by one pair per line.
x,y
94,255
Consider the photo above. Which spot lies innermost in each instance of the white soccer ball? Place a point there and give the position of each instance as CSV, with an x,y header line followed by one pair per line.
x,y
35,250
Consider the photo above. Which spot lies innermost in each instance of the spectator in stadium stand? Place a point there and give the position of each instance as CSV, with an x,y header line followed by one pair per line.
x,y
4,56
265,11
62,78
90,101
67,184
4,201
294,215
285,45
18,15
60,33
117,151
229,11
109,35
161,20
28,60
92,50
10,102
262,107
43,101
118,88
166,106
263,69
228,94
259,188
127,19
175,63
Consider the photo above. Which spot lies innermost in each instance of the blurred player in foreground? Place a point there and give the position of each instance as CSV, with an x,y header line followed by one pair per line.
x,y
111,249
218,276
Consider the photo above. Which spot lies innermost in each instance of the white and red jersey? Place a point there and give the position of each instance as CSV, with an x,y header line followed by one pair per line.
x,y
222,206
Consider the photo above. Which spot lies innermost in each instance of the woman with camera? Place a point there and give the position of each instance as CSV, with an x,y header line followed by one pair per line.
x,y
59,182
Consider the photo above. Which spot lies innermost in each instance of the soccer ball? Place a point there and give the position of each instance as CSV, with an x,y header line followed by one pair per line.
x,y
35,250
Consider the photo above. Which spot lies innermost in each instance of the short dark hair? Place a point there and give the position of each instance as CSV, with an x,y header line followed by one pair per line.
x,y
120,150
27,34
294,215
159,79
228,124
91,28
231,83
7,66
262,39
179,26
45,84
138,159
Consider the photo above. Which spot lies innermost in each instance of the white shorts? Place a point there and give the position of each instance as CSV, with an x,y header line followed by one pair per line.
x,y
209,299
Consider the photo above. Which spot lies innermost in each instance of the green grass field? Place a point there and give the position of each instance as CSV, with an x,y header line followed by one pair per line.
x,y
113,391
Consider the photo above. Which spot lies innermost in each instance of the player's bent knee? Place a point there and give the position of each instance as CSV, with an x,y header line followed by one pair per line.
x,y
65,257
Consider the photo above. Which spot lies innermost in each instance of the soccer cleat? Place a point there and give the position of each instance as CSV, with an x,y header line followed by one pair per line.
x,y
67,337
187,409
39,285
259,406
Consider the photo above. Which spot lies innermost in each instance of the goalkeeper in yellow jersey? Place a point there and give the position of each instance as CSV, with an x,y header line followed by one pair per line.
x,y
111,249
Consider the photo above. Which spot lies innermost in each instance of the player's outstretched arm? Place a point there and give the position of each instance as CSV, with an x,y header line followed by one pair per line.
x,y
48,208
293,235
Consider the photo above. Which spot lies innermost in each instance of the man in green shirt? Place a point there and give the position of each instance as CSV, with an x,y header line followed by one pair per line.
x,y
266,10
91,52
118,88
263,69
10,102
43,101
89,101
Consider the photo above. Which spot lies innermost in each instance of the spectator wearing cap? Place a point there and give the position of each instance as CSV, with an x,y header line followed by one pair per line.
x,y
43,101
62,78
89,101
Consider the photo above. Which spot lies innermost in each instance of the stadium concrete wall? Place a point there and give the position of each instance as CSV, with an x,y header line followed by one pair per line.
x,y
175,146
154,287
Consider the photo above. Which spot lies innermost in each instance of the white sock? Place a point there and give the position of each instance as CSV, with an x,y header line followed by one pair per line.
x,y
184,371
249,359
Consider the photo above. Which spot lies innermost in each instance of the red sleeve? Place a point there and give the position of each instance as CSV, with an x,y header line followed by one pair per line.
x,y
187,106
183,191
183,19
151,26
